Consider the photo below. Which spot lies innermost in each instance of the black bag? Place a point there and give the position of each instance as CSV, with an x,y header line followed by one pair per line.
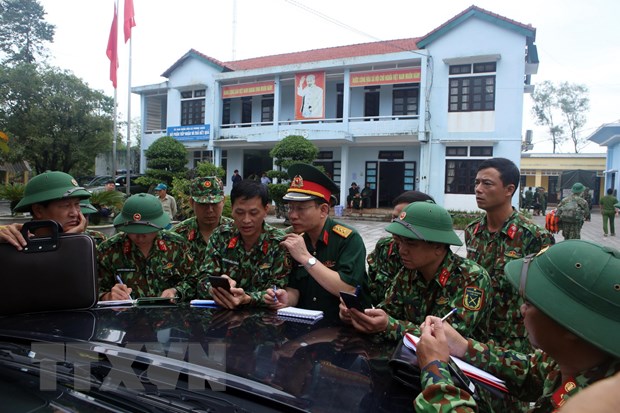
x,y
404,366
56,272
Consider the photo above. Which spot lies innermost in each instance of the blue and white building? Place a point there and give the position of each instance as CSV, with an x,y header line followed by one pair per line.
x,y
608,135
418,113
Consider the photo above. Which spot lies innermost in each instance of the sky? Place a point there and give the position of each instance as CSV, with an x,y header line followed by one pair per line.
x,y
578,41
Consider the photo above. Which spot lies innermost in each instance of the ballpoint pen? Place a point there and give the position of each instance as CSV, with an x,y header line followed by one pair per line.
x,y
120,281
275,297
444,318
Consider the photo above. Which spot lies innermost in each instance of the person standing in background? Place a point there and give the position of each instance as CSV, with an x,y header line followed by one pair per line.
x,y
608,210
168,203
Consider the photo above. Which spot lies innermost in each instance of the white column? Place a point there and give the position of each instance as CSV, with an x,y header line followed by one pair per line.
x,y
344,173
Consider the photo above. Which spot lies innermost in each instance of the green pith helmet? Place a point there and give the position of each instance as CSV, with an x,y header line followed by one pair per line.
x,y
577,284
87,208
207,190
578,188
141,214
50,186
425,221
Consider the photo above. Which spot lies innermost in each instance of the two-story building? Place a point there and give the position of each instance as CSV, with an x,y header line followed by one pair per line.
x,y
418,113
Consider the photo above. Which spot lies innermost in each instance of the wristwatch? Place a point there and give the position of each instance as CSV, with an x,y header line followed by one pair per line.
x,y
310,263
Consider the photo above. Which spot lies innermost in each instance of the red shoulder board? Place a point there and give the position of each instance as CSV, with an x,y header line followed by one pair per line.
x,y
476,229
127,246
390,249
563,393
161,244
512,230
192,235
233,242
443,277
265,247
325,237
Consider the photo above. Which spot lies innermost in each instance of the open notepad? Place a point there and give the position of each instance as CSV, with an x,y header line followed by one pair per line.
x,y
299,314
470,371
143,301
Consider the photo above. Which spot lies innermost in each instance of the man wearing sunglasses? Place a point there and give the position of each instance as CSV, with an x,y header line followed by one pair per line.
x,y
571,310
143,259
433,281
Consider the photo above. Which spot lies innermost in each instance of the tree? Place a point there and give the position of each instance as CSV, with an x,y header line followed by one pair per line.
x,y
165,159
55,121
561,108
23,31
545,103
574,103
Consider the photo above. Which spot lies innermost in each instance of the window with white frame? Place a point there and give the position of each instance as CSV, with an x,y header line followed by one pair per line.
x,y
193,107
472,87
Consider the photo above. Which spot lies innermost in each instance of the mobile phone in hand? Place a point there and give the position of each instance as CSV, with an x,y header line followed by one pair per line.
x,y
218,281
351,301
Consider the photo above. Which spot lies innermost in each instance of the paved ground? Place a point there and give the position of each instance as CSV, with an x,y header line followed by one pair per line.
x,y
372,230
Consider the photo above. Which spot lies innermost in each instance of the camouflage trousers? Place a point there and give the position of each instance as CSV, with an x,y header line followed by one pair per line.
x,y
572,230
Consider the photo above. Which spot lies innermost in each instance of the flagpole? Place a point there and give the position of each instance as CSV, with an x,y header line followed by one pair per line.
x,y
114,168
128,161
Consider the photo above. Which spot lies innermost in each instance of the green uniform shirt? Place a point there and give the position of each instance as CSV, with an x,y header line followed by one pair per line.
x,y
169,265
341,249
188,229
458,283
493,250
383,265
265,265
607,204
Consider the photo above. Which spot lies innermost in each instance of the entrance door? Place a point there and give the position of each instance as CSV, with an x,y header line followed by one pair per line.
x,y
255,162
391,182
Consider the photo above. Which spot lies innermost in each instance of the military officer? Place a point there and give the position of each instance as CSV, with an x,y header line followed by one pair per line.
x,y
207,201
52,195
384,261
329,255
433,279
497,237
247,251
571,308
87,208
143,259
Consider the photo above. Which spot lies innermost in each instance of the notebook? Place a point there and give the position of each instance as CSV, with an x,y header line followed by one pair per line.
x,y
300,313
470,371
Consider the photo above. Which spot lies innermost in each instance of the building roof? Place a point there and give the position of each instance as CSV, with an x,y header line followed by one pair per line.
x,y
361,49
608,134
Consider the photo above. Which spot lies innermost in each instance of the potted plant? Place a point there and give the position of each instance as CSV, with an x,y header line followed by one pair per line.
x,y
12,193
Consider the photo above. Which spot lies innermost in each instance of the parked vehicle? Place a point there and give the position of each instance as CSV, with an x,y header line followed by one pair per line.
x,y
98,184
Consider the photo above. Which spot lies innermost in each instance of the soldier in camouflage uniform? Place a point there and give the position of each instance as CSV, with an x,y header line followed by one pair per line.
x,y
329,255
87,208
433,281
144,260
49,196
384,261
571,223
496,238
571,307
207,201
247,251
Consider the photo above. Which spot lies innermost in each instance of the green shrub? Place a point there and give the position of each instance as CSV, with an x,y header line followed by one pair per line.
x,y
13,193
461,219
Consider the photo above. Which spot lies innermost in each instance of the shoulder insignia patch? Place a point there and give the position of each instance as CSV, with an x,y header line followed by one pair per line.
x,y
443,277
512,230
192,235
473,298
344,232
441,301
161,244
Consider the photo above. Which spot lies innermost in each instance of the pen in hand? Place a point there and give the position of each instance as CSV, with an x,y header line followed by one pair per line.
x,y
275,297
120,281
444,318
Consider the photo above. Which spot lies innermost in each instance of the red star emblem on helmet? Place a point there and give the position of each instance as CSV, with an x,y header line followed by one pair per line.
x,y
137,217
207,184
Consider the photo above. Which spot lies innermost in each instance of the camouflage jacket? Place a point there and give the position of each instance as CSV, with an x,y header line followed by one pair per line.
x,y
98,236
188,229
265,265
169,265
583,209
458,283
439,394
492,250
531,377
383,265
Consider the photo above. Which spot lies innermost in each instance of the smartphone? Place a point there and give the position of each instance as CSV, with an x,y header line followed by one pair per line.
x,y
217,281
155,301
351,301
461,379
